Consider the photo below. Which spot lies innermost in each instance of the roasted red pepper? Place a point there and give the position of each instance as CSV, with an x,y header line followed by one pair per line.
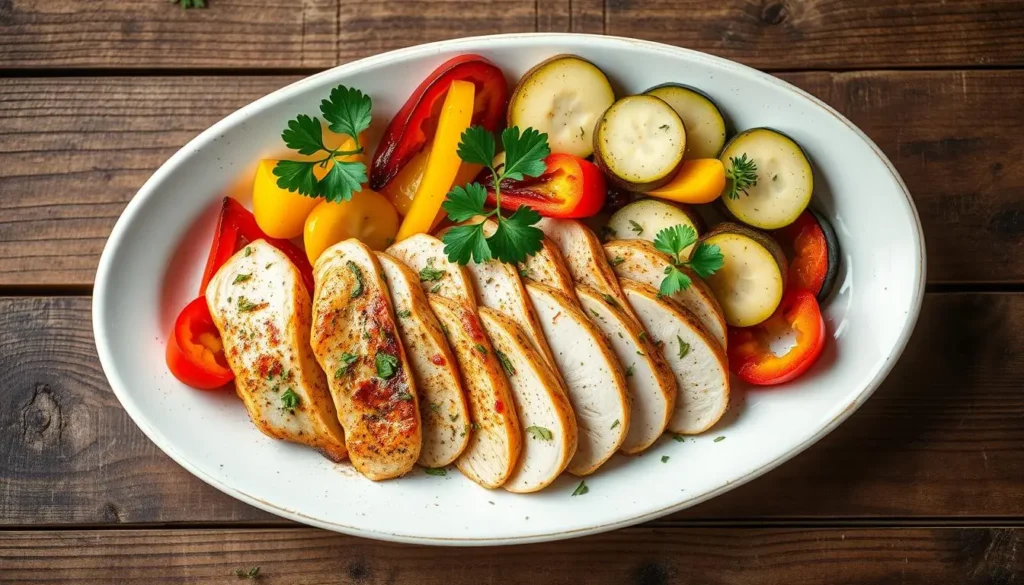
x,y
570,188
813,251
195,354
414,125
750,352
235,229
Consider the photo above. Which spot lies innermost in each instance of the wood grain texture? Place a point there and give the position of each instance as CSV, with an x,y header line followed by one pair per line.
x,y
941,437
831,34
640,556
254,34
257,34
955,136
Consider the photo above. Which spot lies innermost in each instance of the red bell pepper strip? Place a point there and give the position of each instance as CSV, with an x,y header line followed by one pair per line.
x,y
570,188
751,356
195,354
414,125
235,229
813,253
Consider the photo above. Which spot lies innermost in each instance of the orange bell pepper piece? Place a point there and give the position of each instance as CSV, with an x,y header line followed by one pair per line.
x,y
698,181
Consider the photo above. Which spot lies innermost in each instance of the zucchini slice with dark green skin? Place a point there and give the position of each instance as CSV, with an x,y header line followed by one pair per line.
x,y
639,142
770,180
705,124
750,284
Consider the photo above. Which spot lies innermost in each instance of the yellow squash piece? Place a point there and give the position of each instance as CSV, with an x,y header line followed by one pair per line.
x,y
368,217
444,162
280,213
697,181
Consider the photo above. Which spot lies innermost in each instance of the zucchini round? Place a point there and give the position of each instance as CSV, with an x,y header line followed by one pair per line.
x,y
642,220
750,284
769,178
563,97
705,124
639,142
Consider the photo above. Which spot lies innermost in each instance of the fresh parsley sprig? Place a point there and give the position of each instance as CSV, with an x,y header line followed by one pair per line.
x,y
517,236
705,260
346,112
742,175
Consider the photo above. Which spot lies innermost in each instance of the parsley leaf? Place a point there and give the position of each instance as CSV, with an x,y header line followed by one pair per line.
x,y
405,396
387,365
719,439
289,399
634,226
347,360
705,260
430,274
465,203
344,177
517,237
539,433
741,174
580,489
405,314
438,471
463,243
357,290
297,176
245,305
614,424
664,458
524,154
477,146
673,240
304,134
684,348
347,111
241,278
675,280
506,363
678,438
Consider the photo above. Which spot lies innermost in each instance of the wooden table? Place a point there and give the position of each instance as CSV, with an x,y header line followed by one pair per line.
x,y
925,484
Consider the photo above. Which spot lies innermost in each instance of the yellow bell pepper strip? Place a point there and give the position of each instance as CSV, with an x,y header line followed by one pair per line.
x,y
368,216
444,162
697,181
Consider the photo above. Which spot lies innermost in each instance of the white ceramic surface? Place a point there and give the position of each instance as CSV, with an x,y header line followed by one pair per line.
x,y
152,262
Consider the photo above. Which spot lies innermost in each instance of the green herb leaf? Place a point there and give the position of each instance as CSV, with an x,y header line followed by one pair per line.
x,y
524,153
684,348
634,226
347,111
675,280
614,424
678,438
506,363
254,572
248,251
436,288
387,365
245,305
357,290
610,299
348,359
304,134
297,176
719,439
430,274
741,175
706,259
630,371
404,396
476,146
435,407
664,458
405,314
539,433
517,237
241,278
480,348
289,399
580,489
465,203
673,240
344,179
618,260
438,471
466,242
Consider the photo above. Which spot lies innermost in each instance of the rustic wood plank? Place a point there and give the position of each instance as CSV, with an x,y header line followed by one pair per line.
x,y
831,34
74,151
941,438
642,556
254,34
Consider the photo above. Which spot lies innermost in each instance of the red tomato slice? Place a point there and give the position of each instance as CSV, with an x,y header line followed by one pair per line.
x,y
751,356
571,187
195,354
414,125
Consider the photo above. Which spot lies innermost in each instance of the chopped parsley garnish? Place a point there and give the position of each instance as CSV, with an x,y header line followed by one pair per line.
x,y
539,433
435,288
348,359
438,471
580,489
405,314
614,424
435,407
387,365
705,259
719,438
630,371
430,274
357,290
245,305
635,227
610,299
241,278
505,363
480,348
289,399
678,438
684,348
404,396
664,458
248,251
618,260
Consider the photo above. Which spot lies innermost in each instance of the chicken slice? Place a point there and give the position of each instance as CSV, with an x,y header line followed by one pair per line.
x,y
495,437
424,254
262,309
584,257
652,386
548,267
593,377
356,341
696,359
443,409
545,415
639,260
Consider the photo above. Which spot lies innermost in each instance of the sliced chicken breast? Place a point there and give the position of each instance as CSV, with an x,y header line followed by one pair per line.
x,y
584,257
548,267
262,310
639,260
696,359
652,386
424,254
593,377
545,415
356,341
443,409
495,436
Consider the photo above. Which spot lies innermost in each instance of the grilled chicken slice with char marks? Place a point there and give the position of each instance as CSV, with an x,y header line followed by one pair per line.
x,y
262,309
652,386
495,436
547,419
593,377
640,261
443,407
696,359
356,341
424,254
